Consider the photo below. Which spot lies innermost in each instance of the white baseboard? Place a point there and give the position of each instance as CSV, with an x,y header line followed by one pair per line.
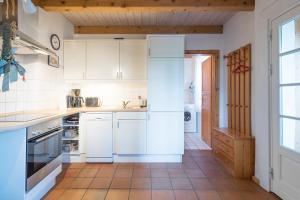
x,y
148,158
101,160
44,186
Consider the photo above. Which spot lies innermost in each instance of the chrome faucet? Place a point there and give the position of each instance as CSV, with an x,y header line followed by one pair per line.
x,y
125,103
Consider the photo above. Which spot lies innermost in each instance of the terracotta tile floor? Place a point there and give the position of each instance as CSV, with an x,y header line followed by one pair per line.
x,y
199,177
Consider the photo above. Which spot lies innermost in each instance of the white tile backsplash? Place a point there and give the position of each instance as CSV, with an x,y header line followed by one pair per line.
x,y
111,93
41,90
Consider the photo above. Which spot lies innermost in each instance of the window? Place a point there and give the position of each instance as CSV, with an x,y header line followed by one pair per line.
x,y
289,77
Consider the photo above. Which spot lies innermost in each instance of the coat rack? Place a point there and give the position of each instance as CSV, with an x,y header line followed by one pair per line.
x,y
239,91
234,146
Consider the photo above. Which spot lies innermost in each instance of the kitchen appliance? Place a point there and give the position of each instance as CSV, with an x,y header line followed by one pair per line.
x,y
78,100
23,44
92,102
99,137
190,118
70,101
44,143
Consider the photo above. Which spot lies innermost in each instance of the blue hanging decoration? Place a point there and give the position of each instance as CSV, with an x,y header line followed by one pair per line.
x,y
9,67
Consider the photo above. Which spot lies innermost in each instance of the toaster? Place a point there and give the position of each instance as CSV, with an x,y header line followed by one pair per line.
x,y
92,102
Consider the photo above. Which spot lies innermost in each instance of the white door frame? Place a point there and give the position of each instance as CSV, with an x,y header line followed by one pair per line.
x,y
273,94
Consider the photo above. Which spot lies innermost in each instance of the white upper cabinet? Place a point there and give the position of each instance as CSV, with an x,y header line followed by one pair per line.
x,y
133,59
166,46
74,59
102,60
165,84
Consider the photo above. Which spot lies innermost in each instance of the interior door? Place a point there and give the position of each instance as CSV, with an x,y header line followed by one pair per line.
x,y
206,100
285,97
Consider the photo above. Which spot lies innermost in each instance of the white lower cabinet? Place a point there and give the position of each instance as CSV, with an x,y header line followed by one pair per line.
x,y
165,133
131,133
131,137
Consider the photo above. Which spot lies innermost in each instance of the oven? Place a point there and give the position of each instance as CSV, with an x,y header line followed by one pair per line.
x,y
43,151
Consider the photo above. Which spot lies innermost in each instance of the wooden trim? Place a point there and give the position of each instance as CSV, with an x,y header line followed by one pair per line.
x,y
148,29
205,52
215,54
145,5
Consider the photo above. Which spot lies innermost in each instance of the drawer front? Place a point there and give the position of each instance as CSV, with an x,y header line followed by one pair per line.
x,y
131,115
93,116
221,147
224,138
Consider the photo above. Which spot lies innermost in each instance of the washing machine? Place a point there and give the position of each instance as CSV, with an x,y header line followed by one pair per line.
x,y
190,122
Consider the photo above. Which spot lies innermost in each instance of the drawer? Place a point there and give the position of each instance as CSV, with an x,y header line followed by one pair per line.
x,y
224,138
227,162
93,116
221,147
131,115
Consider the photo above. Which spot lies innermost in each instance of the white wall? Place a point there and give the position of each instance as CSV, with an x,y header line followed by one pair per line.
x,y
265,11
43,83
189,77
241,29
212,42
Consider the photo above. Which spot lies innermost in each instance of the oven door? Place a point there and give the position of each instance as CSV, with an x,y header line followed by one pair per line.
x,y
41,152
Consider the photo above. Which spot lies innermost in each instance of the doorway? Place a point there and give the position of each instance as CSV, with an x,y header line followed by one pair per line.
x,y
285,107
200,98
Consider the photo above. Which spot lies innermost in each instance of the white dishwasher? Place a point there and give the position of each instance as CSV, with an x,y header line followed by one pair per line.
x,y
99,137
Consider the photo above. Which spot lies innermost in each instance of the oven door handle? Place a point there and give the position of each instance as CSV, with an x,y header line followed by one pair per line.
x,y
47,136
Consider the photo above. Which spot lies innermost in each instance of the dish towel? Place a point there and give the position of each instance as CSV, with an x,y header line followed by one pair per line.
x,y
9,67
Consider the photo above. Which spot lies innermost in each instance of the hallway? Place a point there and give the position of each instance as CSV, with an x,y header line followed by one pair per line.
x,y
193,141
199,176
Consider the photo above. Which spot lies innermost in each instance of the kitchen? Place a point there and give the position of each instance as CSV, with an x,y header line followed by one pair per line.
x,y
92,102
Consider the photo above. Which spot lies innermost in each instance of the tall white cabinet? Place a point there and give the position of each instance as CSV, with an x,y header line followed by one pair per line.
x,y
165,127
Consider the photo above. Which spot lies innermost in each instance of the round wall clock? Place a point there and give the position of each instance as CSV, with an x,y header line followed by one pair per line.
x,y
55,42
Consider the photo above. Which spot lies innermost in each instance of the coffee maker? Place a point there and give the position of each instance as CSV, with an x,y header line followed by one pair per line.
x,y
74,100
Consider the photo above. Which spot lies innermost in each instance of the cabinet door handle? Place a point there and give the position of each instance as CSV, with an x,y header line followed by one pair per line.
x,y
118,125
117,75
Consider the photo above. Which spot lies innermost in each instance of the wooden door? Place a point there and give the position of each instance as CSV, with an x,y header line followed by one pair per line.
x,y
206,109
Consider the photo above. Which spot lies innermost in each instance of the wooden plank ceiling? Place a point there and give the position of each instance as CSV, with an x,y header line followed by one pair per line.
x,y
147,16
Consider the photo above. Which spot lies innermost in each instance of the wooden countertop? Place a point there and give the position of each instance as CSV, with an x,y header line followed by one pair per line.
x,y
52,114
